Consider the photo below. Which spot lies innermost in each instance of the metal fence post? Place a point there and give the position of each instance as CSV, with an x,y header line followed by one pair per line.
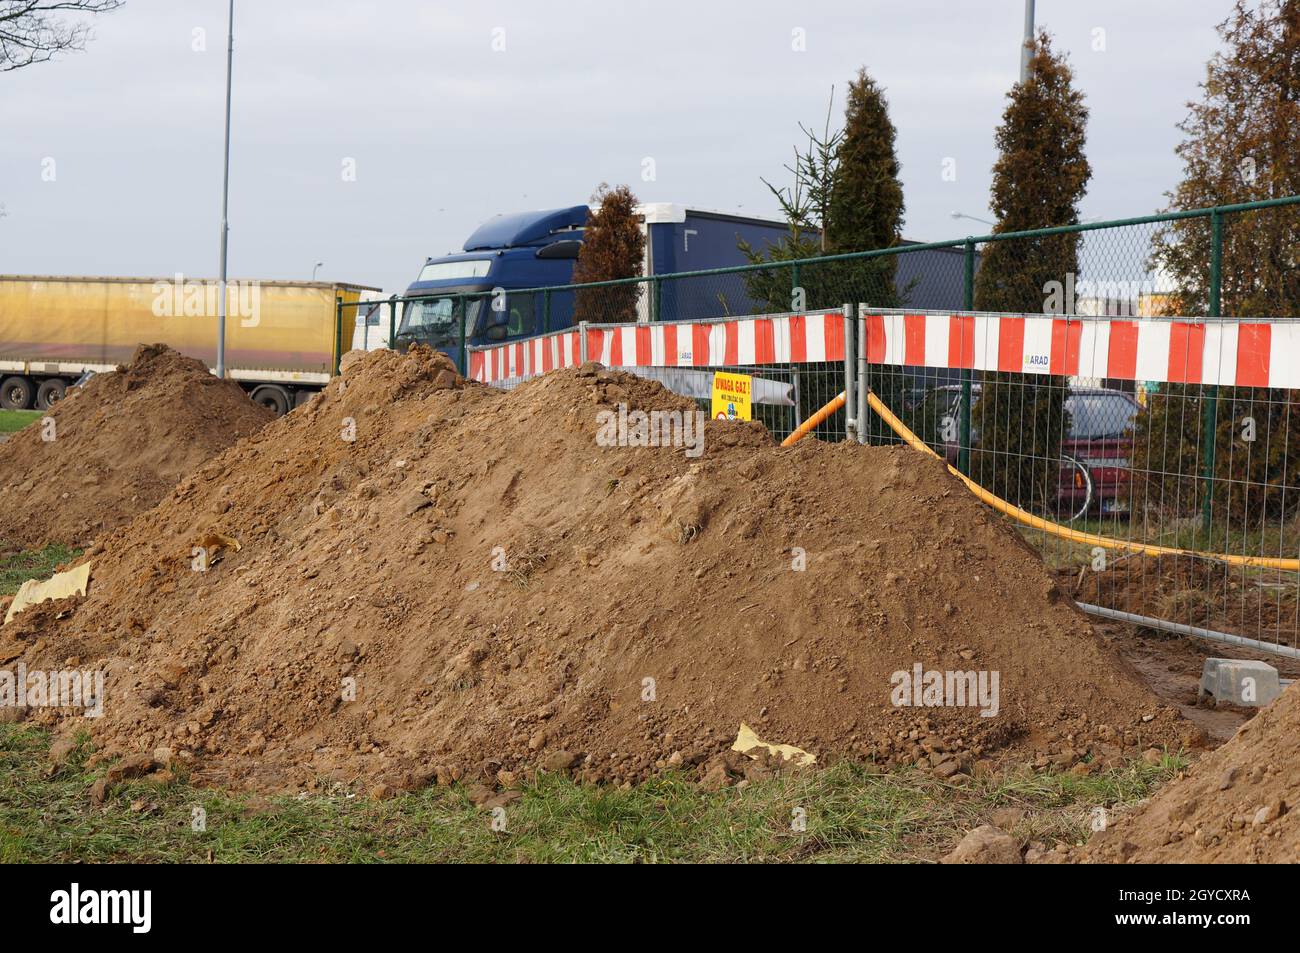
x,y
338,333
582,342
1210,412
463,365
546,310
850,374
968,302
861,396
656,305
392,323
794,286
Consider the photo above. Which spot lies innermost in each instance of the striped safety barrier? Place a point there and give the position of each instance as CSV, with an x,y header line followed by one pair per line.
x,y
523,359
732,342
779,339
1245,353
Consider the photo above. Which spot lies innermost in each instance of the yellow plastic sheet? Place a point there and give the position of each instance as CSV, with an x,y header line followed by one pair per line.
x,y
72,582
746,741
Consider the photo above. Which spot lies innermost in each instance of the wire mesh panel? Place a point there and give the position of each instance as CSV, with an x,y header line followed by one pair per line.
x,y
798,360
1126,450
782,393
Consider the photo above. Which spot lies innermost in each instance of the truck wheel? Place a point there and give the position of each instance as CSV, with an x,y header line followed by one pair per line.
x,y
50,392
274,398
16,393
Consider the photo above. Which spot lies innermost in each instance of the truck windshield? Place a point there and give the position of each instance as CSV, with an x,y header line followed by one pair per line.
x,y
436,320
444,270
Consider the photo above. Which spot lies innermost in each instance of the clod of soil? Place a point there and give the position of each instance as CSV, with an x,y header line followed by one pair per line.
x,y
1240,804
441,581
116,448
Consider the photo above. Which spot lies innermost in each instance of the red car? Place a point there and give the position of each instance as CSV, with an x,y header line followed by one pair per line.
x,y
1094,455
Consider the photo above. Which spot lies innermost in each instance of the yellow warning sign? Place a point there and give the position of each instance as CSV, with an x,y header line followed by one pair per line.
x,y
731,396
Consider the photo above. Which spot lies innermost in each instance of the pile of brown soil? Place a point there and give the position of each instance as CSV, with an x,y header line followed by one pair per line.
x,y
119,445
498,591
1237,805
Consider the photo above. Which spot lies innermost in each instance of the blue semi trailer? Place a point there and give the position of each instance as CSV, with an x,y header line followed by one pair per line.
x,y
511,253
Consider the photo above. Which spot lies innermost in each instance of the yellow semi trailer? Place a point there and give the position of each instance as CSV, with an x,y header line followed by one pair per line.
x,y
282,337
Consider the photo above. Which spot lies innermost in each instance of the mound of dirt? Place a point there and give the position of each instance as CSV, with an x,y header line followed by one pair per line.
x,y
1237,805
440,580
116,447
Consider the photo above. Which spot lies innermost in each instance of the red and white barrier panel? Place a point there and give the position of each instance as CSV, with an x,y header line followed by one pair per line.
x,y
525,358
784,339
1204,351
780,339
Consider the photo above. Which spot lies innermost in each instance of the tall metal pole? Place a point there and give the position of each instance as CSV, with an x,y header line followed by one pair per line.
x,y
1026,49
1210,393
225,201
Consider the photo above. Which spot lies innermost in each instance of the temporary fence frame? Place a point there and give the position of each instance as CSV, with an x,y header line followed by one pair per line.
x,y
1206,353
795,343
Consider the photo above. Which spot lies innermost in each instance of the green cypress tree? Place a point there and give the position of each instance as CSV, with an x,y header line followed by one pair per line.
x,y
846,196
865,213
1239,146
1038,181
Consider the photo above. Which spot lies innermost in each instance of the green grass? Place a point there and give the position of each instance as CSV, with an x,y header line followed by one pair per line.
x,y
17,568
13,420
851,815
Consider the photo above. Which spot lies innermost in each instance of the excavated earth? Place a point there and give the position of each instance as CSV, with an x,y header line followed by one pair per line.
x,y
436,580
116,447
1236,805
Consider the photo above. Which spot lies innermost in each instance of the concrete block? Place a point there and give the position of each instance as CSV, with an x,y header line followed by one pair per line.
x,y
1240,681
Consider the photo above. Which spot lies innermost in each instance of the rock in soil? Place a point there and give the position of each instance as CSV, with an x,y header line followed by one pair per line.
x,y
985,845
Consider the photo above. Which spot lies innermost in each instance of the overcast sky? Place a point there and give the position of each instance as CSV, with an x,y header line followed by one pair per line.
x,y
445,132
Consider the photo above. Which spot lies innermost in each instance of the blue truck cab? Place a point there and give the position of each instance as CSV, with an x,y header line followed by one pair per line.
x,y
506,254
482,285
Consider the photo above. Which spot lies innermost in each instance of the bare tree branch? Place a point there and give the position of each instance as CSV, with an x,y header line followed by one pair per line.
x,y
33,31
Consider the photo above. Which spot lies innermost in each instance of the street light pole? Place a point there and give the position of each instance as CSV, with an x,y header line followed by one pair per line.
x,y
225,202
1027,48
